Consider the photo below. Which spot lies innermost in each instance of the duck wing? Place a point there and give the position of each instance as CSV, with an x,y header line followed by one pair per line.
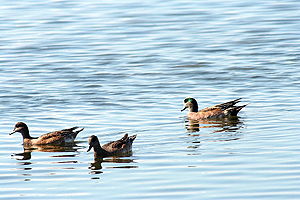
x,y
207,113
115,145
216,110
50,138
227,105
124,144
58,137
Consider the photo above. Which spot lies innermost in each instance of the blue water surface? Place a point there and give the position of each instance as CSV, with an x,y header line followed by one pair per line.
x,y
125,67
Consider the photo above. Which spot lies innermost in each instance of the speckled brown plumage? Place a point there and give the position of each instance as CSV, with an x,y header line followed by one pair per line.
x,y
112,148
216,111
54,138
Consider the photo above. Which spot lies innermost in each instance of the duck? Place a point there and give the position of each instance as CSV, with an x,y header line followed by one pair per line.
x,y
113,148
222,110
52,138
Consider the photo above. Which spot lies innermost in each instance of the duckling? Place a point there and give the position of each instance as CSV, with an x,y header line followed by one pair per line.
x,y
216,111
112,148
56,137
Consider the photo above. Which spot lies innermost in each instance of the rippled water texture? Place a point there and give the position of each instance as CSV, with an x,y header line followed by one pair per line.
x,y
126,67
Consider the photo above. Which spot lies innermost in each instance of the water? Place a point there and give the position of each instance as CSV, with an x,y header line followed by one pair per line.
x,y
125,67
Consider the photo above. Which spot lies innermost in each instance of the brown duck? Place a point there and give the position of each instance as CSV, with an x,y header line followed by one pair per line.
x,y
216,111
112,148
53,138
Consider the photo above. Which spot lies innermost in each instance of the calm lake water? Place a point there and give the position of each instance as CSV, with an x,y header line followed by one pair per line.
x,y
125,67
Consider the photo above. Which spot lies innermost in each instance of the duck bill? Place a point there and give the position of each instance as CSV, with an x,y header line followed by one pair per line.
x,y
185,107
90,147
16,130
13,132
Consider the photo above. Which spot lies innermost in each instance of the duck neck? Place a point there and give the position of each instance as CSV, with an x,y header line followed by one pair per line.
x,y
98,150
193,107
25,134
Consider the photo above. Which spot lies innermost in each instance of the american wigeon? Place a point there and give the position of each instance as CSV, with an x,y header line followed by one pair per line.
x,y
56,137
112,148
216,111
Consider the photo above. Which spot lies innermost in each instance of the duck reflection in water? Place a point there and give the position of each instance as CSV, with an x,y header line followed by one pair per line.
x,y
123,161
213,130
231,124
26,155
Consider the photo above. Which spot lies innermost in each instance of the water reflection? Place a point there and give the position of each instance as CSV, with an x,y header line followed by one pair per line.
x,y
124,161
213,130
26,154
231,124
25,157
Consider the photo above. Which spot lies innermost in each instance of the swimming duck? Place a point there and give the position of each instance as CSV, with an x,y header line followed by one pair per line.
x,y
112,148
56,137
216,111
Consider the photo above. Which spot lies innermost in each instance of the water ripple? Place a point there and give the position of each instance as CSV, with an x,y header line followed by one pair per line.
x,y
116,67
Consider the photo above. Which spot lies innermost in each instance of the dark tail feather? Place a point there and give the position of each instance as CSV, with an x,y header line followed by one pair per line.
x,y
233,111
228,104
70,129
124,138
132,138
76,132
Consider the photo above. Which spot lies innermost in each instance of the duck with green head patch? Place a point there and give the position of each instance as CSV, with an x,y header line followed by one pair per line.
x,y
217,111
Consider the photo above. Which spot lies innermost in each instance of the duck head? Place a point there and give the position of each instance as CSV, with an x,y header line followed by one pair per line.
x,y
93,141
190,103
20,127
